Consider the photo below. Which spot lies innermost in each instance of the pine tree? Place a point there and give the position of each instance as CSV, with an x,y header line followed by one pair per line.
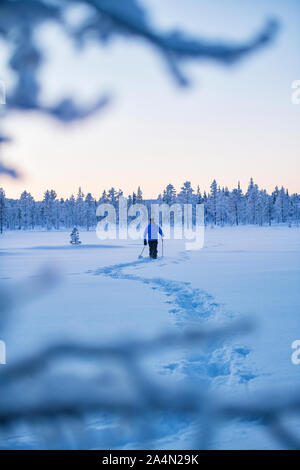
x,y
90,211
79,208
112,197
139,195
268,210
251,202
169,195
199,198
281,206
75,237
213,201
236,205
186,193
221,212
71,211
26,206
49,214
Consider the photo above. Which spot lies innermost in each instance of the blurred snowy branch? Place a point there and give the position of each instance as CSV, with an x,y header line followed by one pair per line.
x,y
124,351
19,21
113,17
47,395
106,18
8,171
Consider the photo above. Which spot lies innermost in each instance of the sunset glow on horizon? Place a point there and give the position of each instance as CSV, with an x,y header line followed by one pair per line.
x,y
230,125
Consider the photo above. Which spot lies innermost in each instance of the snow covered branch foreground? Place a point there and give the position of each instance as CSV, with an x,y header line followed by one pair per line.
x,y
100,21
50,394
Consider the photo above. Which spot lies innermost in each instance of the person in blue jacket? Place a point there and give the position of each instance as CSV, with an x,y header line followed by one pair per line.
x,y
152,231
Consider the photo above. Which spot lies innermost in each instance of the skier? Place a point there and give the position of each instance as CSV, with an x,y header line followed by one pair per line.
x,y
152,231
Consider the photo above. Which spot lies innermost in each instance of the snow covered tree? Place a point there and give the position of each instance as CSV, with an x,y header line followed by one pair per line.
x,y
295,209
213,202
79,208
112,197
103,199
280,206
199,198
139,196
268,209
71,211
221,207
26,206
251,202
90,211
48,206
75,237
186,193
236,209
260,207
61,213
169,195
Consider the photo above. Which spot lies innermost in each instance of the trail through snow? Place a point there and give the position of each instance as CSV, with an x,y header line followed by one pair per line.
x,y
221,362
105,297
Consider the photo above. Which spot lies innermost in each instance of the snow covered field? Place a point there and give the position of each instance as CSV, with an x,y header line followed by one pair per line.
x,y
106,294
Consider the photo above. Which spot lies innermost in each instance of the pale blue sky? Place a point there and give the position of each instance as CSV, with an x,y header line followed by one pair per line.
x,y
232,123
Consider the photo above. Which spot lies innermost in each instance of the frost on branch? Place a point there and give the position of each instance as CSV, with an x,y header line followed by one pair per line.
x,y
61,400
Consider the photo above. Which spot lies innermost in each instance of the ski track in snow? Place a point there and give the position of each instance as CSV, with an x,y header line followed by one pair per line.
x,y
221,363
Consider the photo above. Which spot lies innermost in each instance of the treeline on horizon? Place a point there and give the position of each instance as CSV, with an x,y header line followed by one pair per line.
x,y
221,207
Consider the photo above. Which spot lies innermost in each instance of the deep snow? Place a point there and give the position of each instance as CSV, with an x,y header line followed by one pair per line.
x,y
106,293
